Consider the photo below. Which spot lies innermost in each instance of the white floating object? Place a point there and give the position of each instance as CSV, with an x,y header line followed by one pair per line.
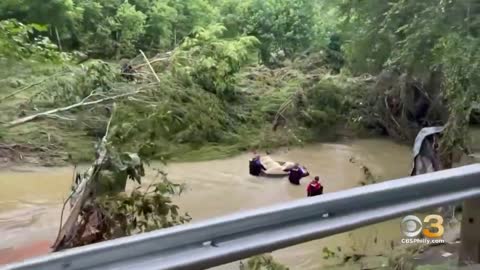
x,y
446,254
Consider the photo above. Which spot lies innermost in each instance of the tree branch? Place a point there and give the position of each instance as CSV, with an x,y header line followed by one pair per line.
x,y
150,66
61,117
63,109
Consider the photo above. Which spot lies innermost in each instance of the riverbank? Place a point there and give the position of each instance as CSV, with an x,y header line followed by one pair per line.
x,y
174,121
283,107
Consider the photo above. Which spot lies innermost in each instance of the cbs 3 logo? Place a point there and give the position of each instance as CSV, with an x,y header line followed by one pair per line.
x,y
412,226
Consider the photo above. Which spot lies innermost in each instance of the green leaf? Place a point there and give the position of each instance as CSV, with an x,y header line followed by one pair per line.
x,y
39,27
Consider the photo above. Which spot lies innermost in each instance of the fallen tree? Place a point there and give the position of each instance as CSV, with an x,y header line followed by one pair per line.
x,y
102,211
82,103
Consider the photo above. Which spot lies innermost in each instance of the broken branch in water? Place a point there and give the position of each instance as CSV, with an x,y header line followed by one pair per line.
x,y
85,188
63,109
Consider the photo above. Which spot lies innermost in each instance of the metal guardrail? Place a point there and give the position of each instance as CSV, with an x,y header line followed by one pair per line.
x,y
225,239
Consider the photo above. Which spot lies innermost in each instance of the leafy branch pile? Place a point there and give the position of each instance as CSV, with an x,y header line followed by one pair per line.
x,y
208,102
258,63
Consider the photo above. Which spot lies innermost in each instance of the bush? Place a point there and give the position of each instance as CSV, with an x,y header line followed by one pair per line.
x,y
18,41
212,62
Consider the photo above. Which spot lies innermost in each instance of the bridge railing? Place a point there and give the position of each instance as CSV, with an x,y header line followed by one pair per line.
x,y
217,241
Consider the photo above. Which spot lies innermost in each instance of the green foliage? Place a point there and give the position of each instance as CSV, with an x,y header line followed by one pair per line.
x,y
108,28
190,15
16,42
93,27
161,19
121,168
106,211
368,48
119,28
142,210
331,103
325,104
209,97
335,58
76,84
212,62
405,33
58,15
129,27
461,60
415,37
283,27
171,115
49,12
166,120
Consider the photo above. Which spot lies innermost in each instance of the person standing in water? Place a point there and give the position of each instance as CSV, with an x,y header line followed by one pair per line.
x,y
256,166
315,188
296,173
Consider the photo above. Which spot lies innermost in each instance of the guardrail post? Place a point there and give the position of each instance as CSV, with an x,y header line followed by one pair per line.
x,y
470,233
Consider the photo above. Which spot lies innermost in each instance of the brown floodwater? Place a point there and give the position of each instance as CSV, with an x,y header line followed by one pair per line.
x,y
31,198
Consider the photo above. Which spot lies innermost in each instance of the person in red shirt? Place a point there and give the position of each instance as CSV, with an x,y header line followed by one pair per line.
x,y
315,188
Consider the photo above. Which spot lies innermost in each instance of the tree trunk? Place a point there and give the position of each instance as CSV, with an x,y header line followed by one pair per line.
x,y
59,42
174,41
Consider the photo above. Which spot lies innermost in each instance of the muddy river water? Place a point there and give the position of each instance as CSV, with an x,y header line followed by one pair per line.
x,y
31,198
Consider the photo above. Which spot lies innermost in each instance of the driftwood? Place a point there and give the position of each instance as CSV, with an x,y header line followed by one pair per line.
x,y
85,191
82,103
